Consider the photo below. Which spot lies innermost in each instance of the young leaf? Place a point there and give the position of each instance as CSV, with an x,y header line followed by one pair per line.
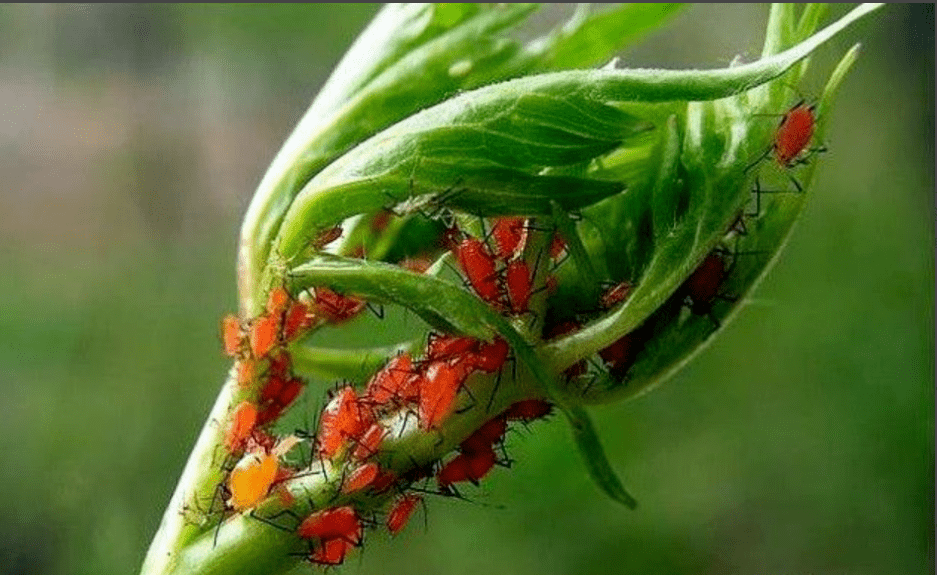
x,y
593,455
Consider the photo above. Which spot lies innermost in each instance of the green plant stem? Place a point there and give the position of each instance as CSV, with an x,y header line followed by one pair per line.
x,y
197,483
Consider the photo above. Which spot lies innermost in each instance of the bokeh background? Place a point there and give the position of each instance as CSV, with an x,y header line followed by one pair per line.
x,y
131,138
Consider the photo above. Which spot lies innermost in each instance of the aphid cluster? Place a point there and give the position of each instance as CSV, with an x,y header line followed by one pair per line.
x,y
331,533
354,424
354,427
264,371
500,276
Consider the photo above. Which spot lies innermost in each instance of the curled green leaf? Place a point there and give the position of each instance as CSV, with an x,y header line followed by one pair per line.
x,y
593,455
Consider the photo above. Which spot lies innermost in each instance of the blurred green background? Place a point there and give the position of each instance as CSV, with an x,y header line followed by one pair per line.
x,y
131,138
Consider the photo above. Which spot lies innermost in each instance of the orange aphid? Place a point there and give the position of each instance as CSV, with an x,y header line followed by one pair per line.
x,y
342,418
449,346
491,356
478,263
370,441
336,523
253,476
510,236
247,368
250,480
335,307
401,511
242,424
231,334
439,389
360,478
389,381
264,332
277,301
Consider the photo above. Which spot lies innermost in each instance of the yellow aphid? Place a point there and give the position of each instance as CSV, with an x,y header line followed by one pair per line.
x,y
251,479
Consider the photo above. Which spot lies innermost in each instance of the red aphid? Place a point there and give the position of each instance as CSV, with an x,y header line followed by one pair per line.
x,y
401,511
794,133
263,335
510,235
380,221
383,481
296,320
343,418
370,441
449,346
518,282
232,335
616,294
242,423
280,364
528,410
620,355
552,284
480,463
451,237
361,478
416,264
466,467
331,552
486,436
439,389
337,308
390,381
336,523
478,263
260,440
557,246
273,387
286,391
454,471
490,357
326,237
359,252
703,284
